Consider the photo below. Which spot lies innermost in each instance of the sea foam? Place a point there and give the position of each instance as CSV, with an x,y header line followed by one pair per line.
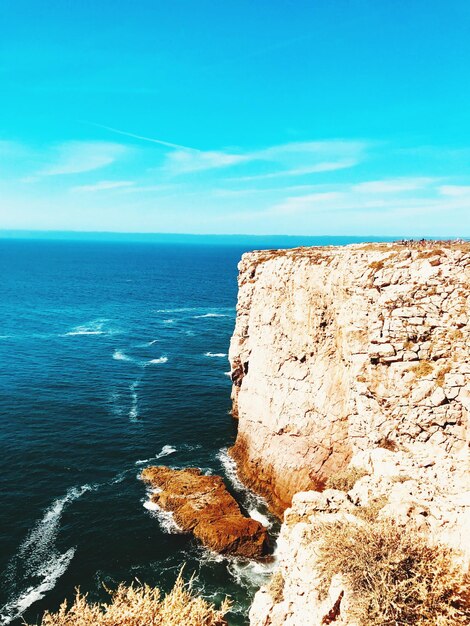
x,y
38,557
215,354
162,359
165,451
165,518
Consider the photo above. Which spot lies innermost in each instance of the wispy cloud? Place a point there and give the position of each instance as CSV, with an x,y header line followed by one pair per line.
x,y
102,185
455,190
393,185
76,157
291,159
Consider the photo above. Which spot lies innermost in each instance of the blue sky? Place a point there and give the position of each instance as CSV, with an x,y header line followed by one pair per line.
x,y
324,117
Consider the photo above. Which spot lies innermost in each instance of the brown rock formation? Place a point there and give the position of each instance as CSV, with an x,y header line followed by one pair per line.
x,y
202,505
340,350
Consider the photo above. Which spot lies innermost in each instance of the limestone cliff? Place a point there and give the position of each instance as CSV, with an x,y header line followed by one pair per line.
x,y
354,356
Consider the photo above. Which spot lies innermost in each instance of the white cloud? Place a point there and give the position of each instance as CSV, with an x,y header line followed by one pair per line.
x,y
75,157
102,186
392,185
455,190
327,166
186,161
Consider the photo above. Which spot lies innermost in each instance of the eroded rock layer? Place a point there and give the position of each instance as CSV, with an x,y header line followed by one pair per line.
x,y
340,350
202,505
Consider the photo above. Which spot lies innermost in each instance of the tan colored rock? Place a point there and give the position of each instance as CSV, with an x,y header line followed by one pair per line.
x,y
336,348
202,505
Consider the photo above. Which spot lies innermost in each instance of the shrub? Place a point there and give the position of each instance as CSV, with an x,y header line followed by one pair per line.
x,y
345,480
141,605
395,576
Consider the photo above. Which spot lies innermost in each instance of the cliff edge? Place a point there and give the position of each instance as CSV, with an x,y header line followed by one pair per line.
x,y
351,372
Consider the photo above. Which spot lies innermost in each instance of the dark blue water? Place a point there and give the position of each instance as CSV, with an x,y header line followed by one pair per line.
x,y
112,357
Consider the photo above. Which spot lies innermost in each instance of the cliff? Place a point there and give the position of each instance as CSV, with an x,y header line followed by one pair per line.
x,y
351,370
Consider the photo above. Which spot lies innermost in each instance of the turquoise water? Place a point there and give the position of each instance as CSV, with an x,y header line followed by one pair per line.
x,y
113,356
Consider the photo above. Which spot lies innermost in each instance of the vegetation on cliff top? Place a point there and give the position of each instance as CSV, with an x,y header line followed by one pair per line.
x,y
396,576
141,605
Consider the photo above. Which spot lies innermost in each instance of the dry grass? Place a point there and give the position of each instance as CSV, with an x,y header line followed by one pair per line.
x,y
441,375
141,606
370,511
396,577
345,479
424,368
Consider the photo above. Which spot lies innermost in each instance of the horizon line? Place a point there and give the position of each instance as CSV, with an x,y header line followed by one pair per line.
x,y
85,233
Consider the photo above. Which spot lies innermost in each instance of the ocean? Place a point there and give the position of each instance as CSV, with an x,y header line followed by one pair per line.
x,y
113,356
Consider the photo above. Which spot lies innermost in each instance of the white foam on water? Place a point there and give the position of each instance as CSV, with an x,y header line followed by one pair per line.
x,y
165,451
95,327
209,315
251,500
134,410
50,572
250,574
215,354
162,359
228,374
260,517
119,355
38,557
230,469
165,518
151,343
169,321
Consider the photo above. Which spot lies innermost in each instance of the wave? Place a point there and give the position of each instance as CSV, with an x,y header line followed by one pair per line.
x,y
250,574
215,354
165,451
119,355
169,321
165,518
260,517
210,315
95,327
150,343
134,410
252,501
37,557
229,374
162,359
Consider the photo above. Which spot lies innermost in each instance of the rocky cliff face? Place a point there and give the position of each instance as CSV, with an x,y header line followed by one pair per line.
x,y
338,350
352,357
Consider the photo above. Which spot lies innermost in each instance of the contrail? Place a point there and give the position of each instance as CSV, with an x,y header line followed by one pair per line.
x,y
142,138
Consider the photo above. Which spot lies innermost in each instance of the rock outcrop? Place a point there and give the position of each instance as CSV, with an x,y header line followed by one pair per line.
x,y
202,505
351,384
340,350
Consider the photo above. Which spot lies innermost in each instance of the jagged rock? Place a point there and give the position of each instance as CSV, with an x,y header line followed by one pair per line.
x,y
202,505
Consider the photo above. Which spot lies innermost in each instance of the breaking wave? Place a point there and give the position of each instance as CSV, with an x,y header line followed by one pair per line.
x,y
165,451
215,354
119,355
38,558
162,359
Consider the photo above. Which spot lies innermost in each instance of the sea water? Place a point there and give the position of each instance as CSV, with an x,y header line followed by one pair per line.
x,y
113,356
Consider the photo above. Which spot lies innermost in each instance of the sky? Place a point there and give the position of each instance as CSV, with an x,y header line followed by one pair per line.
x,y
318,117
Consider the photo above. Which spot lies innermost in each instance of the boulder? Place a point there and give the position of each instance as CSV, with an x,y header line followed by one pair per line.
x,y
201,505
